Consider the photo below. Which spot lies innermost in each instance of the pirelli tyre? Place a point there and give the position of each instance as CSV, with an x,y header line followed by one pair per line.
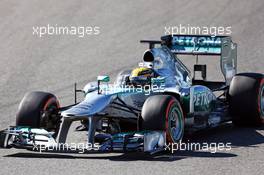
x,y
246,99
163,112
39,110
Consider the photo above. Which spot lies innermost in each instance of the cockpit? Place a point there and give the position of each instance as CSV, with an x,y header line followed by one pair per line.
x,y
157,62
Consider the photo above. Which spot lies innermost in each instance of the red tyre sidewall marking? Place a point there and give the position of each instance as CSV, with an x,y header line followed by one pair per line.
x,y
168,136
50,101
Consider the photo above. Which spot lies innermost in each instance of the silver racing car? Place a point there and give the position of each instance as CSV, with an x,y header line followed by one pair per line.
x,y
150,106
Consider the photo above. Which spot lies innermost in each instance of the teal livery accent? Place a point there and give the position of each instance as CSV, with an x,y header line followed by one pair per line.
x,y
203,99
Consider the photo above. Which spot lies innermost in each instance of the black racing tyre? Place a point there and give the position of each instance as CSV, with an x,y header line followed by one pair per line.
x,y
246,99
163,112
39,110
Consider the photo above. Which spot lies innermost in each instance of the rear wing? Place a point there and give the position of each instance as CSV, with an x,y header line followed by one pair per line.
x,y
194,44
203,45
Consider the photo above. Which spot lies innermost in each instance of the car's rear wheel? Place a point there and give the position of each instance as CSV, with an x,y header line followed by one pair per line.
x,y
163,112
246,99
39,110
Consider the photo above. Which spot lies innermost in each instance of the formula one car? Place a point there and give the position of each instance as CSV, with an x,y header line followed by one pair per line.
x,y
148,107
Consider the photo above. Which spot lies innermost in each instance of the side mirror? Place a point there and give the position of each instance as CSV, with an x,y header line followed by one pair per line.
x,y
103,78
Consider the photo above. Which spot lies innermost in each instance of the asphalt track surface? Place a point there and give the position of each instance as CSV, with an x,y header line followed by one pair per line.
x,y
54,63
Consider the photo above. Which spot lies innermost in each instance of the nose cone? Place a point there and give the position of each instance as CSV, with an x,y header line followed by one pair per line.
x,y
92,104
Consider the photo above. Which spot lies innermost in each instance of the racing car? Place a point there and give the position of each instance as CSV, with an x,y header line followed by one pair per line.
x,y
149,106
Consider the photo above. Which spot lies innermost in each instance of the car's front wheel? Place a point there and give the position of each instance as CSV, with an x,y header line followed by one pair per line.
x,y
163,112
39,110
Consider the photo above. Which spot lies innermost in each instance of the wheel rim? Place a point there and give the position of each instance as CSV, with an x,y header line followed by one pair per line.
x,y
47,121
262,101
175,123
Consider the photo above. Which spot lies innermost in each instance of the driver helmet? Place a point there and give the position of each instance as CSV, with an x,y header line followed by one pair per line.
x,y
141,76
